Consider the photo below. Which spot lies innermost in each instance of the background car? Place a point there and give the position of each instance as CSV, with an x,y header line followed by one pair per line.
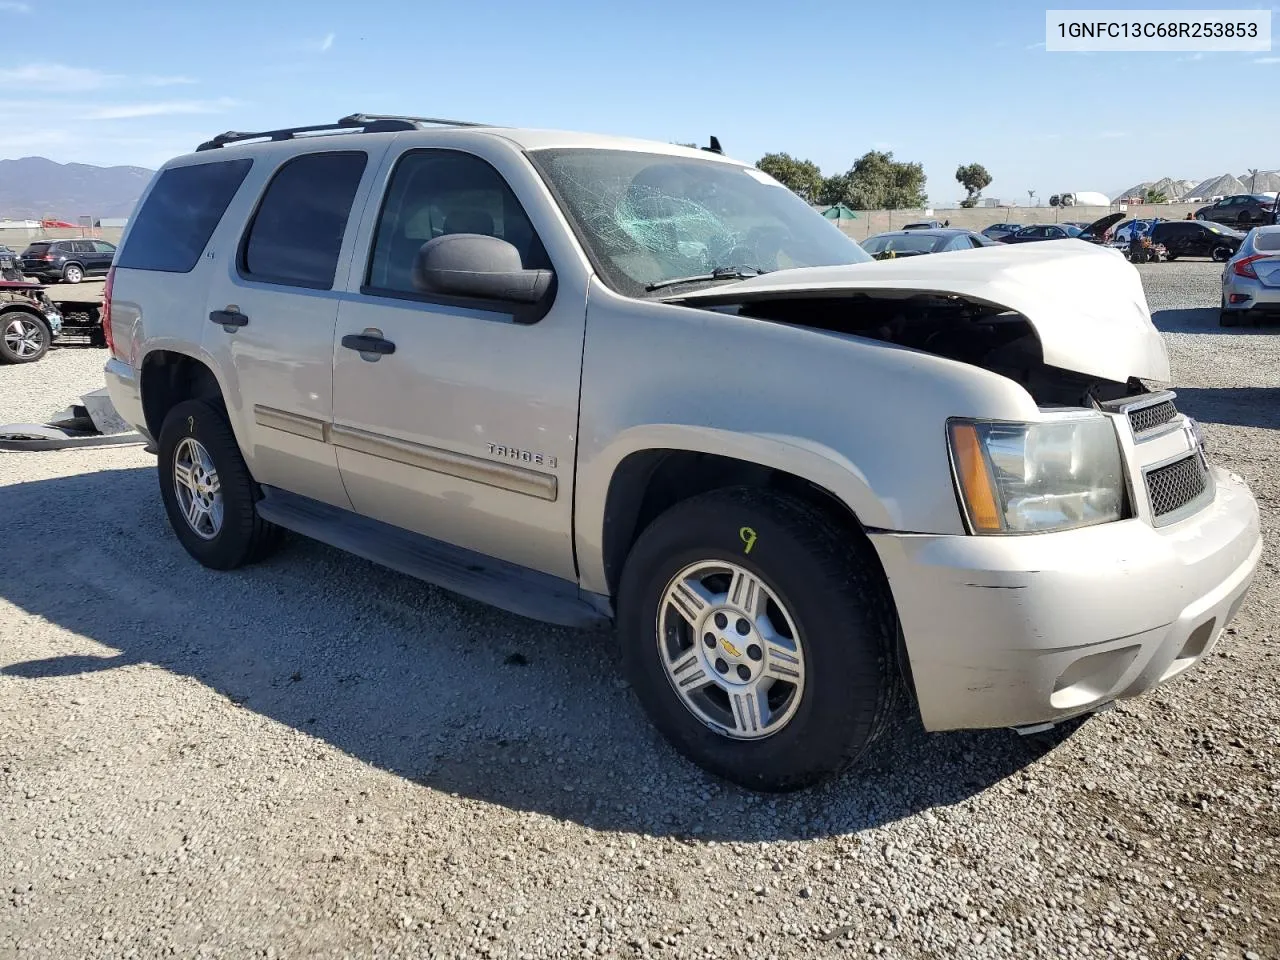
x,y
925,225
69,260
1043,231
913,243
1123,233
29,322
10,264
1242,210
998,230
1100,230
1197,238
1251,279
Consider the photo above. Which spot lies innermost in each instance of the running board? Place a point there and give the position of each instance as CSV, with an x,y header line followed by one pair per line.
x,y
510,587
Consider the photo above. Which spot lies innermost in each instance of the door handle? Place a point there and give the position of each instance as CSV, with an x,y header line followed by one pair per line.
x,y
366,343
230,317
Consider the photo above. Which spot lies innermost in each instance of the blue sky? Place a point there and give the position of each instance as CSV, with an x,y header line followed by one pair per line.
x,y
943,83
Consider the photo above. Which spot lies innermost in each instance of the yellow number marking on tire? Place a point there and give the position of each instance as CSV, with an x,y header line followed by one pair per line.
x,y
748,537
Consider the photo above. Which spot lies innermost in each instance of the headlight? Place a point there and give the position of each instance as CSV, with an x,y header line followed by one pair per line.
x,y
1031,477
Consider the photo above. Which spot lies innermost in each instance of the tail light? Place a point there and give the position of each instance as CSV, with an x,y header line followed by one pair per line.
x,y
105,312
1244,268
48,258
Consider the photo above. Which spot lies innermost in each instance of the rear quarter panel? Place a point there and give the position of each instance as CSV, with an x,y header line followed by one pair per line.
x,y
154,310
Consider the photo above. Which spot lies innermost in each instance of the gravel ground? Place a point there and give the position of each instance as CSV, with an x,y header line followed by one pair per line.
x,y
34,392
317,758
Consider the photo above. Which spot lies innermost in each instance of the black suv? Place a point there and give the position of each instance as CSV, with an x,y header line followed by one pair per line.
x,y
69,260
1191,238
1243,210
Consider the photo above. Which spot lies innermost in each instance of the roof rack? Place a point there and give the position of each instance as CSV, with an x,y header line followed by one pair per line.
x,y
362,122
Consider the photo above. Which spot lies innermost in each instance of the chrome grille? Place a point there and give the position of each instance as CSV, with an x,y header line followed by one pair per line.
x,y
1148,418
1177,484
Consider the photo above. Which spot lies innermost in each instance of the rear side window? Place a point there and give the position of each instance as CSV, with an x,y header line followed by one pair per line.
x,y
296,234
179,215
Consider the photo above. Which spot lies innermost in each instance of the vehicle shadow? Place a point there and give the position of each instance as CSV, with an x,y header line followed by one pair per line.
x,y
450,694
1202,320
1238,406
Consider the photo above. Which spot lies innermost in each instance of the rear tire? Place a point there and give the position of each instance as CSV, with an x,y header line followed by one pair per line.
x,y
1226,318
824,594
24,337
226,532
1220,254
73,273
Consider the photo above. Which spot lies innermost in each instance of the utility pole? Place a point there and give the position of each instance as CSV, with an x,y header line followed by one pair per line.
x,y
1253,180
1031,195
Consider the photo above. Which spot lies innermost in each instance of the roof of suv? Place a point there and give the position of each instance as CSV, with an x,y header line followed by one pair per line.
x,y
524,138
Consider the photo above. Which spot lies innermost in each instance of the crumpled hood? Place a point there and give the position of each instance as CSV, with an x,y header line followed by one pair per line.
x,y
1085,302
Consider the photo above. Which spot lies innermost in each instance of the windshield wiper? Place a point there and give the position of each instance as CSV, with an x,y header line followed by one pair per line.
x,y
719,273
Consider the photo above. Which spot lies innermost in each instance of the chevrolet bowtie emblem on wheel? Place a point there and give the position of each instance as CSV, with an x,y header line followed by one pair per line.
x,y
731,649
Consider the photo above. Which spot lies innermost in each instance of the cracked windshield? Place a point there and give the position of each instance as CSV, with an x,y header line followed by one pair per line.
x,y
654,223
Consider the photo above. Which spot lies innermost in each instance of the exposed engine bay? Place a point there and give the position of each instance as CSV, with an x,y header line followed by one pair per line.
x,y
982,334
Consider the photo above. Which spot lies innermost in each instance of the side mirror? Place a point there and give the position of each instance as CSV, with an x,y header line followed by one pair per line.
x,y
475,265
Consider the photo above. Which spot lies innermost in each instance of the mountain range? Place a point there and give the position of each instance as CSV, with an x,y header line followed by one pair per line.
x,y
34,187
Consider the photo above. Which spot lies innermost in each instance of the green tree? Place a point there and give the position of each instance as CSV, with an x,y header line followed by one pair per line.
x,y
1154,196
877,182
974,178
835,189
802,177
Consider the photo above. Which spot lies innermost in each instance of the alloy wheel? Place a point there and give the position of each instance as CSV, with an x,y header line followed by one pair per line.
x,y
731,650
195,483
24,337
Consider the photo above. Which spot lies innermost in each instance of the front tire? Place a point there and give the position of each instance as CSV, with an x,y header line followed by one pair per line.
x,y
759,638
24,337
207,490
72,273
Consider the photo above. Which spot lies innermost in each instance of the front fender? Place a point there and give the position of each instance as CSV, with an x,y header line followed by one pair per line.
x,y
811,461
863,420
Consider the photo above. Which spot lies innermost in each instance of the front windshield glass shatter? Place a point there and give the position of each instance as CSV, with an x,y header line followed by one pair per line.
x,y
647,218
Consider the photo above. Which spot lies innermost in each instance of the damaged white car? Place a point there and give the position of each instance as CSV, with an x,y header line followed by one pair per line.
x,y
598,380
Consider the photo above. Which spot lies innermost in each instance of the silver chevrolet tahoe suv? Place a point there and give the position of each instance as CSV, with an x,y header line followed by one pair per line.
x,y
595,380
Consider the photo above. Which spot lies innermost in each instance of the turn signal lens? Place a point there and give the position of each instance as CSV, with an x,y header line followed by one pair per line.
x,y
1244,268
976,485
105,312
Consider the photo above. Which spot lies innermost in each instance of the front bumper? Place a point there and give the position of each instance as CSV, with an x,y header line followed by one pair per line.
x,y
122,388
1020,630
